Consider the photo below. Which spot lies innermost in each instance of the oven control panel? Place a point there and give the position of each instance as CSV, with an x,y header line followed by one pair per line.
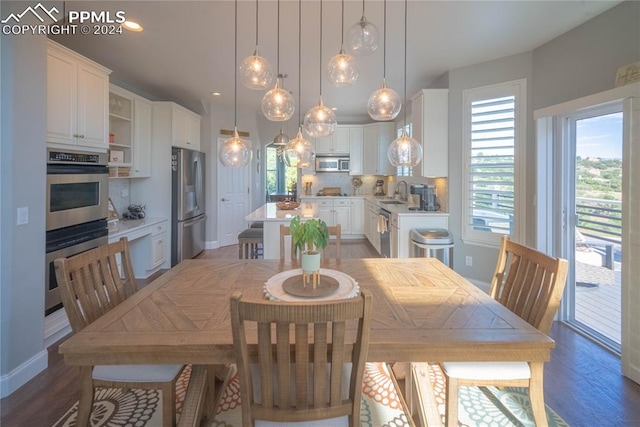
x,y
76,157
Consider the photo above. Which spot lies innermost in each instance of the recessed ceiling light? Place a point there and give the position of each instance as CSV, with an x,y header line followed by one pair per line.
x,y
216,93
132,26
334,108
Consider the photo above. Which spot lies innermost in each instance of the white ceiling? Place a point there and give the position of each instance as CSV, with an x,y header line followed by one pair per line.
x,y
186,49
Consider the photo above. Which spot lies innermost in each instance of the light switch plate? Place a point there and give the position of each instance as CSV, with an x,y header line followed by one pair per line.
x,y
22,216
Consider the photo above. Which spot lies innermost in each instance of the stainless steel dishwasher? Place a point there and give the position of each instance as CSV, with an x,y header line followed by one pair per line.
x,y
384,228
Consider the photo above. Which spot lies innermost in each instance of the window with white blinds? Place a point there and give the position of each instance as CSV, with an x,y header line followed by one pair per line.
x,y
493,136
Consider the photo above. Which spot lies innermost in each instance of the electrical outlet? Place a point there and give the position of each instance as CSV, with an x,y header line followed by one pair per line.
x,y
22,215
468,261
124,192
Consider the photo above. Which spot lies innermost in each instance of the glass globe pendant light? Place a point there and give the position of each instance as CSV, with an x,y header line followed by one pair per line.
x,y
362,38
278,105
405,151
235,151
343,68
255,71
299,152
320,120
384,104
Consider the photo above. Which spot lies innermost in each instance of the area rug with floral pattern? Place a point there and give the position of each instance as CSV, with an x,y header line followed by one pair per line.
x,y
478,406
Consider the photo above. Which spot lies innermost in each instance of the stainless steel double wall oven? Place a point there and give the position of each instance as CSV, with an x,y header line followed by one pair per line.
x,y
76,210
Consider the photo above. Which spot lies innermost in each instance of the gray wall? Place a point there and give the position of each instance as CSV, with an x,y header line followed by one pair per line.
x,y
578,63
22,180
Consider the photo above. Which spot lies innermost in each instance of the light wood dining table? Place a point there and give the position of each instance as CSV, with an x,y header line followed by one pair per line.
x,y
422,312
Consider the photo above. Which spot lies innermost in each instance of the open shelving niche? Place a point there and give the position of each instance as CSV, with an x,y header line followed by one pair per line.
x,y
120,132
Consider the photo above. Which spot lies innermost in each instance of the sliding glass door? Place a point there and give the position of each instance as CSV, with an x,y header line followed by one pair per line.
x,y
591,172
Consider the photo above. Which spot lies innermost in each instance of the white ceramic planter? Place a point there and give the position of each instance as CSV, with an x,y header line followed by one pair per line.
x,y
310,261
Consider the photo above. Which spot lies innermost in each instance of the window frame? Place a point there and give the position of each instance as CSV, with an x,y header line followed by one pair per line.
x,y
517,89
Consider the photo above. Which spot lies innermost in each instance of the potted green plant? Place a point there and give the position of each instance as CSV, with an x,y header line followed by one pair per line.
x,y
309,237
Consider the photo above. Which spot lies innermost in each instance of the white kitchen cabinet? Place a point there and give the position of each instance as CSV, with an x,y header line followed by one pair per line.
x,y
142,117
356,143
185,128
377,137
129,133
147,241
325,210
342,214
371,223
77,100
357,216
430,123
157,253
337,143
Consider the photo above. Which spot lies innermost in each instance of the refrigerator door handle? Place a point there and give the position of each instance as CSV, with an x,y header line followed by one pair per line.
x,y
196,180
192,221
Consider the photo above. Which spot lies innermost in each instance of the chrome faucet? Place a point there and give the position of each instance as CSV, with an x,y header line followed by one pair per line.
x,y
404,197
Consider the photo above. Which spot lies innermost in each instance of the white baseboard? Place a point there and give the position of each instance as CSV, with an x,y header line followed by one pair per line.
x,y
211,244
23,373
56,326
479,284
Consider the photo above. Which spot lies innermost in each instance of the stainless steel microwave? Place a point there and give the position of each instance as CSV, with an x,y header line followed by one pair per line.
x,y
332,164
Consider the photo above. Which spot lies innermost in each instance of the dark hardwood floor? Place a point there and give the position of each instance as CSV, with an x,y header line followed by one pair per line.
x,y
583,382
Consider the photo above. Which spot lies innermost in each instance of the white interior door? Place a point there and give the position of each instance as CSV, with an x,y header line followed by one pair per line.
x,y
234,200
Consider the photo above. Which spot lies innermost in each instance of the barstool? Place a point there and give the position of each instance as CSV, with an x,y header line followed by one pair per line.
x,y
248,243
426,240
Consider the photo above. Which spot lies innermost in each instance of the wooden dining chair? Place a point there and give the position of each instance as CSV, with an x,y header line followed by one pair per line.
x,y
530,284
92,283
335,231
302,377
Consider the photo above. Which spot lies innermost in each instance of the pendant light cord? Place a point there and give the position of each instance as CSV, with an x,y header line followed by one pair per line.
x,y
320,68
404,120
362,7
299,62
384,40
256,25
278,45
235,66
342,28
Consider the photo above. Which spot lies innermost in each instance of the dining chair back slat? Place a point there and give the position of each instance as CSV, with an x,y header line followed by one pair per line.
x,y
533,286
301,331
91,284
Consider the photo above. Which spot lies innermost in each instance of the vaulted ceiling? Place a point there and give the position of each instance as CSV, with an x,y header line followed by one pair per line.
x,y
186,50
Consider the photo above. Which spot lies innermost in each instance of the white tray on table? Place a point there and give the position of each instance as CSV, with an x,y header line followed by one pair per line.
x,y
347,286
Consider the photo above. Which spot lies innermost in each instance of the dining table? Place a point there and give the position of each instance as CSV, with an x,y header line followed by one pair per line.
x,y
423,311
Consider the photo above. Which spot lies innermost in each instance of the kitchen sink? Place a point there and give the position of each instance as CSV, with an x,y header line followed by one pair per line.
x,y
391,202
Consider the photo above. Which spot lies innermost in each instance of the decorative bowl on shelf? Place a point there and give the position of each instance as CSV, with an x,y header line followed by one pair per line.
x,y
287,205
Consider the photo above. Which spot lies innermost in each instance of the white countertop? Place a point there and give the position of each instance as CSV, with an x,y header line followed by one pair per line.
x,y
122,227
270,212
400,209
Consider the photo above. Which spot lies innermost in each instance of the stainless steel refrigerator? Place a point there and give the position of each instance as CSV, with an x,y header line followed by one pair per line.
x,y
188,204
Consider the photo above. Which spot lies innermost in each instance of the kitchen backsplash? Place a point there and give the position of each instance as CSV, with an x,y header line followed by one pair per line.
x,y
345,182
118,187
339,179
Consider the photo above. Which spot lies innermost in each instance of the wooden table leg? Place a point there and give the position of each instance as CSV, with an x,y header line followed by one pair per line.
x,y
536,394
86,395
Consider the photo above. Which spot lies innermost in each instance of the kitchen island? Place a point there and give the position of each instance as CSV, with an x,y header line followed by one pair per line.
x,y
272,217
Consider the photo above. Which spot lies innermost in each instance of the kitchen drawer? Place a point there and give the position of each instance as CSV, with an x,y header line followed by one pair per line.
x,y
159,228
324,202
342,202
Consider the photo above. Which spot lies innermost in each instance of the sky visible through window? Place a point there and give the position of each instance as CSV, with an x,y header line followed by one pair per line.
x,y
600,136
